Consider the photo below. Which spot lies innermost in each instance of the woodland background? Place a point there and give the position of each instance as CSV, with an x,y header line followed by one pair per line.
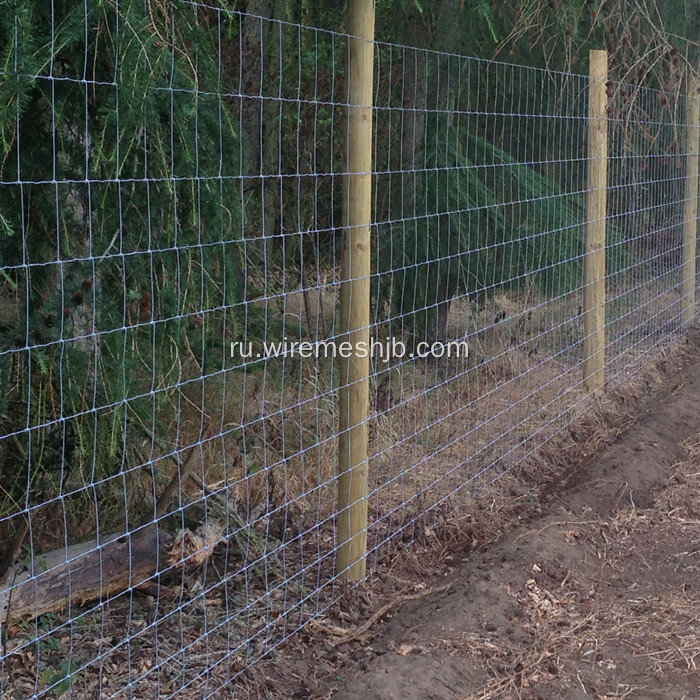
x,y
168,165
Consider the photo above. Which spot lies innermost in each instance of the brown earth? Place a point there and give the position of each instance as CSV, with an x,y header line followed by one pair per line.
x,y
595,595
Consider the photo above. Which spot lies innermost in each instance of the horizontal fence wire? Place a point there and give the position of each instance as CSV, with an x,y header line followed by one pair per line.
x,y
171,198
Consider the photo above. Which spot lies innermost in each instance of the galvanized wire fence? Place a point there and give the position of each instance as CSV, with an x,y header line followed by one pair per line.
x,y
171,225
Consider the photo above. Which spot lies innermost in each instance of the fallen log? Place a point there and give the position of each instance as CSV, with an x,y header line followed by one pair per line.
x,y
82,573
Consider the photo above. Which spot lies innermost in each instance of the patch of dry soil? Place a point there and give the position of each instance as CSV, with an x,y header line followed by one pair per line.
x,y
597,598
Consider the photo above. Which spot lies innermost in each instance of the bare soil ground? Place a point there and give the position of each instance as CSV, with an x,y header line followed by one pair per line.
x,y
595,594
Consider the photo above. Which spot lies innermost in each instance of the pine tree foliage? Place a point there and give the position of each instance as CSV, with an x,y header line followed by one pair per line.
x,y
496,202
120,240
469,237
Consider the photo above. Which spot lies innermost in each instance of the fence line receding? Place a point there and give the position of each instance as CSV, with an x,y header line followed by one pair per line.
x,y
173,210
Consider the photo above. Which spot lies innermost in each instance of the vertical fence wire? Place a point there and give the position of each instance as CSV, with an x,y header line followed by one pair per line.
x,y
170,225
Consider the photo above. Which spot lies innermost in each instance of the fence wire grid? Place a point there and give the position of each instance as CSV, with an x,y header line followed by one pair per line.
x,y
171,211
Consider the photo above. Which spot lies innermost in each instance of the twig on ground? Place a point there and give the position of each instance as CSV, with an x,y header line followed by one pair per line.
x,y
350,635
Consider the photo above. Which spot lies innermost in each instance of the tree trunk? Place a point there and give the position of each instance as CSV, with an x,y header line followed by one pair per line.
x,y
448,281
414,104
261,47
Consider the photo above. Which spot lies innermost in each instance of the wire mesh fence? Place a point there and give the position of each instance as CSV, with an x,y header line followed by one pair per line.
x,y
171,221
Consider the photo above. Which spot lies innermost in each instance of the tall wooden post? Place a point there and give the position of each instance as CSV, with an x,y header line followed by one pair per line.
x,y
690,214
354,297
594,266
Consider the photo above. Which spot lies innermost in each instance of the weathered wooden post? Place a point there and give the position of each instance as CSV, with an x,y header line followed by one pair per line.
x,y
354,297
690,213
594,265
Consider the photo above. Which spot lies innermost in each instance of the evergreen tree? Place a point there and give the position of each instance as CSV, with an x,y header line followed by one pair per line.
x,y
120,228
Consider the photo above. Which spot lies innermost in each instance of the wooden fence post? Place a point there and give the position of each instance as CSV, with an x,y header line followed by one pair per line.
x,y
690,214
594,265
354,297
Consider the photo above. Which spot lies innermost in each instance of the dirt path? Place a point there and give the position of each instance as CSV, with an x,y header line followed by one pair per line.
x,y
597,598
